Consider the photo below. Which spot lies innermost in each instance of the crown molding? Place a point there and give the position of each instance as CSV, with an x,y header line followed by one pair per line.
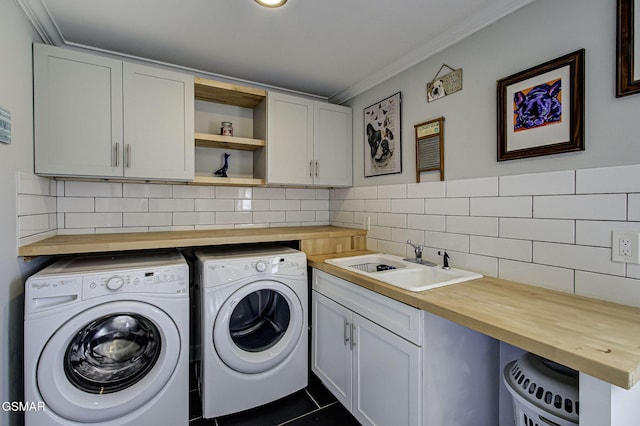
x,y
41,20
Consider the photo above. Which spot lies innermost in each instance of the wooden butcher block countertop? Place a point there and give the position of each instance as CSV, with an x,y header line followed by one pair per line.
x,y
314,239
601,339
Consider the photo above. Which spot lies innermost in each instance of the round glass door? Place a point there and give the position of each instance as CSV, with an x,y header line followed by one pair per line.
x,y
108,361
259,320
112,353
258,326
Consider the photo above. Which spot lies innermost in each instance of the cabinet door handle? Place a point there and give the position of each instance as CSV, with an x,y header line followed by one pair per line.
x,y
352,340
117,153
128,155
310,168
317,168
346,332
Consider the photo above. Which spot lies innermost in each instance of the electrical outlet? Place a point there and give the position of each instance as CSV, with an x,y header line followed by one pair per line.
x,y
366,223
624,246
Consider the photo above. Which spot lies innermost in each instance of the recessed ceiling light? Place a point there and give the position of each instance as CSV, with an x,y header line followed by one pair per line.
x,y
271,3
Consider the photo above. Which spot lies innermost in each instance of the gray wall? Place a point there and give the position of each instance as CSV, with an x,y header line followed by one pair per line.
x,y
16,96
541,31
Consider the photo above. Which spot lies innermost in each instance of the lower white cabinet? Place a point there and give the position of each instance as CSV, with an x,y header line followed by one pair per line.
x,y
374,373
391,364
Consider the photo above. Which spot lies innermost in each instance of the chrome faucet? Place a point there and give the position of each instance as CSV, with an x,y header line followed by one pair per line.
x,y
418,250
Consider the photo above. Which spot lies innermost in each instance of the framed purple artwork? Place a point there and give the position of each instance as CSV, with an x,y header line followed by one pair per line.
x,y
541,109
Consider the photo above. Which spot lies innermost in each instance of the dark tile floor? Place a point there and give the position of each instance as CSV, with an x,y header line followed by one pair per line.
x,y
312,406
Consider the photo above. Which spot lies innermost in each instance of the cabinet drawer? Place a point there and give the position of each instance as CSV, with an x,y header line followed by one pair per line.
x,y
401,319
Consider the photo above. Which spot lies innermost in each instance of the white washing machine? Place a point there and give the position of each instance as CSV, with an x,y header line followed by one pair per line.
x,y
106,341
253,347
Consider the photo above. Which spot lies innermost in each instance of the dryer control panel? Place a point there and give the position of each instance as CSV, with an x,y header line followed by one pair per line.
x,y
230,270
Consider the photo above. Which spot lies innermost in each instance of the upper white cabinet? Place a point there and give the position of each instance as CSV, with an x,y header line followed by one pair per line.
x,y
308,142
99,117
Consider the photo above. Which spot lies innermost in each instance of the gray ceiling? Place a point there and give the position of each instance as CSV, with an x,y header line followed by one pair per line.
x,y
329,48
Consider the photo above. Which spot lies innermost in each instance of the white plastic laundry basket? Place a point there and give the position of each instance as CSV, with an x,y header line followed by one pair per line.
x,y
544,393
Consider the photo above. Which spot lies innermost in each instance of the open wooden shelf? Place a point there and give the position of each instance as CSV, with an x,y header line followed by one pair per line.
x,y
229,181
208,140
227,93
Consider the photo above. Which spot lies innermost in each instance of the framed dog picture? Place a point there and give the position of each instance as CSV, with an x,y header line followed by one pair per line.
x,y
383,147
541,110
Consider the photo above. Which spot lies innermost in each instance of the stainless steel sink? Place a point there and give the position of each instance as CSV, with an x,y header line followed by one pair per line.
x,y
400,273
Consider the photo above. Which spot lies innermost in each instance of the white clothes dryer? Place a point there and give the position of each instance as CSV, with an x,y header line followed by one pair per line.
x,y
107,341
253,347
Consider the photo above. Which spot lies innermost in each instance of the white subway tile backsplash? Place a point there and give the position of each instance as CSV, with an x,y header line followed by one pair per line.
x,y
598,233
552,277
596,207
213,205
269,193
268,217
147,219
401,235
322,217
121,230
548,183
322,194
480,187
426,190
192,191
501,206
226,218
606,287
93,220
76,204
447,241
300,216
146,190
393,220
426,222
484,265
242,205
365,193
585,258
344,193
195,218
407,205
608,180
447,206
504,248
633,210
550,230
171,205
35,204
314,205
284,205
33,224
29,184
472,225
92,189
343,217
121,204
233,192
353,205
377,205
392,191
380,233
300,194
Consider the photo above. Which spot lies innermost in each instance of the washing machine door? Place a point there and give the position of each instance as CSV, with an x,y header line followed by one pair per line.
x,y
258,326
108,361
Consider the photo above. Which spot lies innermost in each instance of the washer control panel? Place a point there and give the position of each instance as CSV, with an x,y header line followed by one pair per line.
x,y
170,280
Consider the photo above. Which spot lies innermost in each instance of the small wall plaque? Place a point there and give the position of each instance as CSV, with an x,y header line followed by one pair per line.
x,y
439,87
5,126
430,147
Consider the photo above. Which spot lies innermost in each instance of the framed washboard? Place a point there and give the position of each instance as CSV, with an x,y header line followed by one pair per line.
x,y
430,147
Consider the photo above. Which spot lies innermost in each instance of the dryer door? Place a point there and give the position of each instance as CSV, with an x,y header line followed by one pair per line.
x,y
258,326
108,361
